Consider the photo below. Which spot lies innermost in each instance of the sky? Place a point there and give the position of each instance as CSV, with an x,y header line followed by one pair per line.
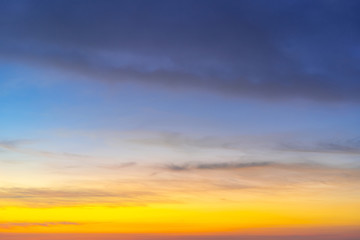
x,y
179,120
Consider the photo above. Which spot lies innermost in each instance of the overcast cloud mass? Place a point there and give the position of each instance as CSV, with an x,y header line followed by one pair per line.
x,y
259,49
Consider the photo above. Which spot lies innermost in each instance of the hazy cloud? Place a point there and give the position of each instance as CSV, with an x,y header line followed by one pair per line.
x,y
18,146
12,144
173,139
118,166
350,146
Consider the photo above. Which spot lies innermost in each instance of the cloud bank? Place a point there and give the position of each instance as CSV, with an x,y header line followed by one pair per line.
x,y
291,49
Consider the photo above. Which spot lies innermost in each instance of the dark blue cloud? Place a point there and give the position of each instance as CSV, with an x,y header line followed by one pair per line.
x,y
264,49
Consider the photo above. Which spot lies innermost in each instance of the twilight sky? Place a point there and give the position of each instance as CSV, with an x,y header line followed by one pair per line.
x,y
179,119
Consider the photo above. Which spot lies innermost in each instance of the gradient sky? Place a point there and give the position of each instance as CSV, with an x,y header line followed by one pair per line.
x,y
179,120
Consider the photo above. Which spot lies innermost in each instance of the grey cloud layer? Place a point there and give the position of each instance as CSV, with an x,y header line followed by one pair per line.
x,y
287,49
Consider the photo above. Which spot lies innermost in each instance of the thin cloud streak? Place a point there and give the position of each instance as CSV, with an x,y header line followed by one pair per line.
x,y
78,196
217,166
10,225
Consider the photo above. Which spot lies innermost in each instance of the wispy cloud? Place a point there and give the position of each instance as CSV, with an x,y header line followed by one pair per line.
x,y
267,177
75,196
